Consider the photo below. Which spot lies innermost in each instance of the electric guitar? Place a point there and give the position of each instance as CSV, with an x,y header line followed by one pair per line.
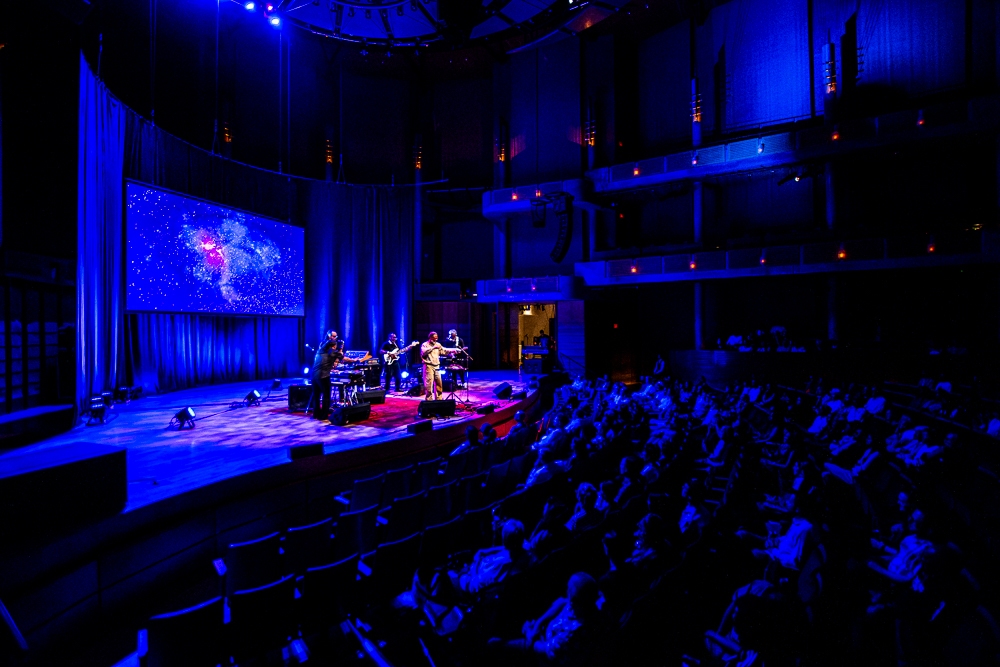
x,y
390,357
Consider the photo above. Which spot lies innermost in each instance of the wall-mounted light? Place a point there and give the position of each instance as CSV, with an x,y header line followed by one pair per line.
x,y
693,264
635,170
835,135
841,253
694,159
633,269
920,118
513,195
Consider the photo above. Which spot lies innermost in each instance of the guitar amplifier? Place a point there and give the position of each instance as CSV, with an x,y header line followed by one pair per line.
x,y
373,396
298,397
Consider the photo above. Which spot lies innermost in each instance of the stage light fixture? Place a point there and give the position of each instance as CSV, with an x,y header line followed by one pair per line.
x,y
404,374
513,195
305,370
253,398
693,264
694,159
184,416
269,7
275,21
633,269
98,410
760,147
763,258
250,6
635,170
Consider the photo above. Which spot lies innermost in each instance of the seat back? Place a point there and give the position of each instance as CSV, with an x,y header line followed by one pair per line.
x,y
496,482
356,532
367,493
455,469
520,466
397,484
191,636
253,563
426,475
493,453
309,546
394,565
437,506
472,493
406,516
261,619
438,542
328,591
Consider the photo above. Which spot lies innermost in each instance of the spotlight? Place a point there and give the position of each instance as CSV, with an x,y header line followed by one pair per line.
x,y
404,374
250,6
98,410
184,416
253,398
305,370
275,21
760,148
694,159
269,7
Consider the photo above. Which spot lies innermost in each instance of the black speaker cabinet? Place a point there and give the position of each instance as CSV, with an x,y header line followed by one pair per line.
x,y
420,427
503,391
298,397
373,396
436,409
296,452
342,415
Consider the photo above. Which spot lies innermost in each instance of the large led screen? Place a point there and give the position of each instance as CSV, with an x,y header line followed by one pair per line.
x,y
190,256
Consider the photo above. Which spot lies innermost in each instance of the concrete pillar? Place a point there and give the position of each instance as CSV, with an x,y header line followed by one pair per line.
x,y
698,194
418,227
831,307
698,321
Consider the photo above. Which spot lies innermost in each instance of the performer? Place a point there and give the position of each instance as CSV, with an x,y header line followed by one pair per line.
x,y
430,355
327,355
391,362
453,342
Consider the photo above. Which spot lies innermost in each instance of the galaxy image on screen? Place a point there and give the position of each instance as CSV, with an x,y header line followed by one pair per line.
x,y
186,255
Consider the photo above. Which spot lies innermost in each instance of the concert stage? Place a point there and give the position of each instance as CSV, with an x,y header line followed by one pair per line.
x,y
230,439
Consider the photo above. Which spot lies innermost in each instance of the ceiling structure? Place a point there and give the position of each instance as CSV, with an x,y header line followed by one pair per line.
x,y
441,23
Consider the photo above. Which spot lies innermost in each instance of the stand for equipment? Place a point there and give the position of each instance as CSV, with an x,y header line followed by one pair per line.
x,y
454,395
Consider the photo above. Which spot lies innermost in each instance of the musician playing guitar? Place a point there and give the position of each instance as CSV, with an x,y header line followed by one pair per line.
x,y
390,354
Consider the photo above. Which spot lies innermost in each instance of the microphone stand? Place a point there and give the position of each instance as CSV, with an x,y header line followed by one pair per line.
x,y
452,395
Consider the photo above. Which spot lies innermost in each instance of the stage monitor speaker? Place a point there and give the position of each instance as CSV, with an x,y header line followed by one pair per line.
x,y
519,396
296,452
486,409
373,396
416,390
298,397
61,485
436,409
342,415
420,427
503,391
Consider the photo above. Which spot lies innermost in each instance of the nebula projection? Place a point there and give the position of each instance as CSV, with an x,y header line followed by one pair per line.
x,y
186,255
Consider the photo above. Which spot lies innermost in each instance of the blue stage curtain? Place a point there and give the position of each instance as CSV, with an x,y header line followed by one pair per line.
x,y
359,262
100,300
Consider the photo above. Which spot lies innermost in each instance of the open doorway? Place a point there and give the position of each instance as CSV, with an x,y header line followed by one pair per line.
x,y
536,323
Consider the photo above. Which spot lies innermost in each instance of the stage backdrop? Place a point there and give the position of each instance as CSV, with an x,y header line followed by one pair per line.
x,y
359,268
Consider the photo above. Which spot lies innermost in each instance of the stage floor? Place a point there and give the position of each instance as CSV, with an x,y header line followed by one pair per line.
x,y
226,441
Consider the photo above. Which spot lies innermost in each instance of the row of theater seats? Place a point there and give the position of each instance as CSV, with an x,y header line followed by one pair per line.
x,y
306,577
